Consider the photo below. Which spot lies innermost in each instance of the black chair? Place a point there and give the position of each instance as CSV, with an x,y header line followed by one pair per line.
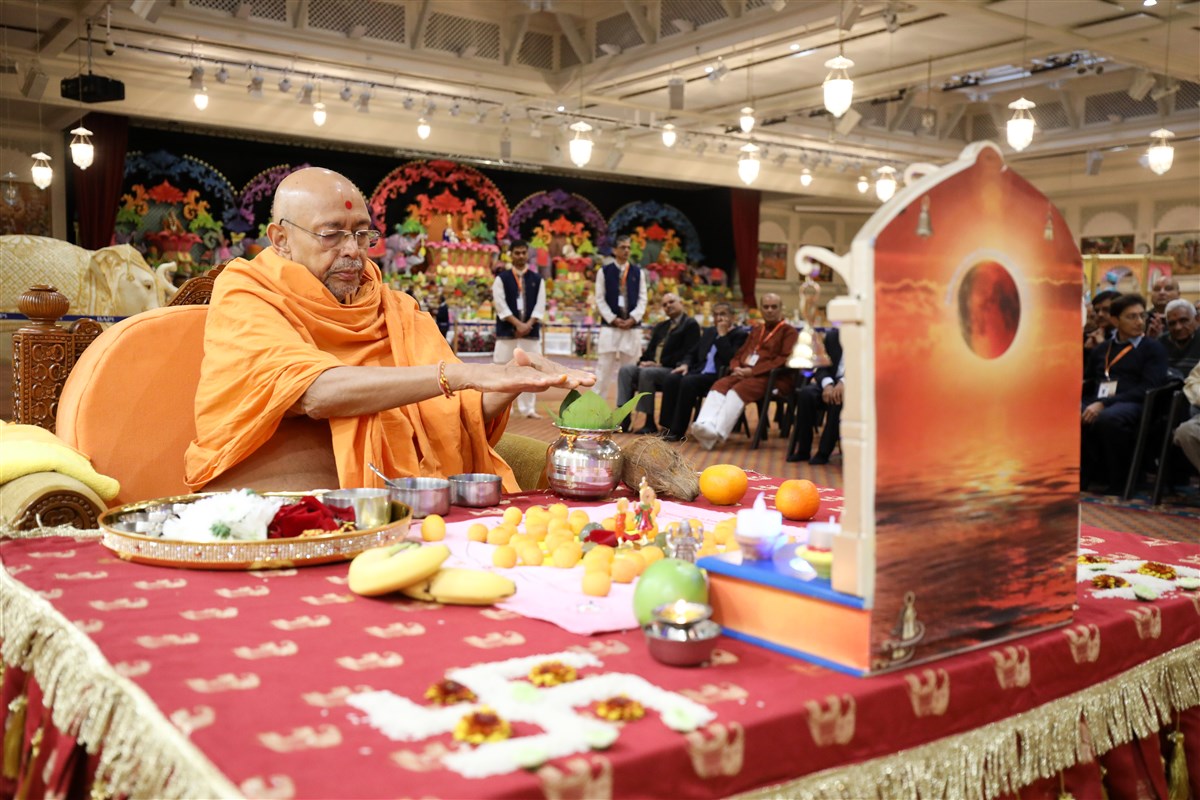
x,y
782,406
1177,414
1155,409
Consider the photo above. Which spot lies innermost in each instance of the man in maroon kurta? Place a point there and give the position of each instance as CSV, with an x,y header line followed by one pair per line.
x,y
768,346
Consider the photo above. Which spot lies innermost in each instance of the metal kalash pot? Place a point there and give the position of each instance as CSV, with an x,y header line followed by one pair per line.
x,y
584,463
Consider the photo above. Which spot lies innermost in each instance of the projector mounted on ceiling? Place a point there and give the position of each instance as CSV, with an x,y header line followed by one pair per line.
x,y
92,88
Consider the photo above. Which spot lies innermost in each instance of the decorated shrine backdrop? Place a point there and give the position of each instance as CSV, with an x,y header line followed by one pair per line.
x,y
205,198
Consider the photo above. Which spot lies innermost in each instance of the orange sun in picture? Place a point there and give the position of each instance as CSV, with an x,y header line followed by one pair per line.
x,y
989,309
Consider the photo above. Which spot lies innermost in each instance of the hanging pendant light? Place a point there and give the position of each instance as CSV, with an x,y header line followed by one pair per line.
x,y
319,114
839,89
8,188
1020,127
1161,154
42,172
885,184
83,152
199,92
746,121
748,163
863,184
806,177
580,146
668,135
423,128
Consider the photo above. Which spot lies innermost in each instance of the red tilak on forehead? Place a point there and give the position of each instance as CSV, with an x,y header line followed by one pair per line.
x,y
348,204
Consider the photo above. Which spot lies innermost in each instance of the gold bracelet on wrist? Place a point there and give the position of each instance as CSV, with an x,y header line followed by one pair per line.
x,y
443,384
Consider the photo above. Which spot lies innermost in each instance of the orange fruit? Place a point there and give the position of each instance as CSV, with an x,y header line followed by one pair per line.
x,y
723,484
596,584
512,515
798,499
433,529
499,535
578,518
477,532
624,570
504,557
652,553
566,556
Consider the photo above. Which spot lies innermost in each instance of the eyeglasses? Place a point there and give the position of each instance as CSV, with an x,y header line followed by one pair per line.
x,y
331,240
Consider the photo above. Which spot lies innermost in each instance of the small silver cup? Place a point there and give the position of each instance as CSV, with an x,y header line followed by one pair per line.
x,y
475,489
424,496
371,506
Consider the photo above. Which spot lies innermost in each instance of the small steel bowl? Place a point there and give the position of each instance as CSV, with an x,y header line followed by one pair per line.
x,y
372,507
424,496
475,489
690,652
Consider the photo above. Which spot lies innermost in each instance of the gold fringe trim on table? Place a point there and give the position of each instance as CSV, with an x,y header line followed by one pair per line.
x,y
141,753
1004,756
9,532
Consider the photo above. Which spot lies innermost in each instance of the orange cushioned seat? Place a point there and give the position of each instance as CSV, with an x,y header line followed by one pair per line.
x,y
129,402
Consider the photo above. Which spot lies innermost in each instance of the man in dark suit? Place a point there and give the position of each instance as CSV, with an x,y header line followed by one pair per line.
x,y
695,377
1115,382
823,394
1181,340
670,342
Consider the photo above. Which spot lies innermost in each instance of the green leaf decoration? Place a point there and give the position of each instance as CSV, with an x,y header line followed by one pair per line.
x,y
624,411
220,530
588,411
571,397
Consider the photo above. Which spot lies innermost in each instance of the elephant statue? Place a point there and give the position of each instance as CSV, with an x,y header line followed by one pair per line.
x,y
111,281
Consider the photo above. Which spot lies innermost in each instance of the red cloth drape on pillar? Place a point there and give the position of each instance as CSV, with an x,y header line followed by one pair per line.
x,y
98,188
744,205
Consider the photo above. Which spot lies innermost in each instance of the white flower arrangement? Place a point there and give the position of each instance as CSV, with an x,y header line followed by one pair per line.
x,y
241,515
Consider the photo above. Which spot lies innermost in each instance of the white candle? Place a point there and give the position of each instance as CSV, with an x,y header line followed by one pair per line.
x,y
757,522
821,534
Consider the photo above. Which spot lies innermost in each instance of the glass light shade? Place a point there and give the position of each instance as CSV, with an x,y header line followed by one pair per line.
x,y
748,164
839,89
863,184
747,119
41,170
885,184
200,98
9,188
806,177
423,129
1020,127
83,153
1161,154
319,114
668,135
580,146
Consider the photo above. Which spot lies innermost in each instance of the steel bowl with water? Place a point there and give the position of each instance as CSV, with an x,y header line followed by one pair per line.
x,y
475,489
424,496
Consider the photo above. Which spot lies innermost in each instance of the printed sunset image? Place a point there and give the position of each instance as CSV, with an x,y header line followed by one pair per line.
x,y
977,370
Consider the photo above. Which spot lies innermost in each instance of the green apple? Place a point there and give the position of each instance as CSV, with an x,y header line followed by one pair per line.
x,y
665,581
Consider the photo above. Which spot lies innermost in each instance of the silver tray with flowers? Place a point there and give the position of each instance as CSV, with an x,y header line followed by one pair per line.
x,y
241,530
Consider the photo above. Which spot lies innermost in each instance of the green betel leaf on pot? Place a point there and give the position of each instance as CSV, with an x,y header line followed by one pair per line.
x,y
589,411
624,411
571,397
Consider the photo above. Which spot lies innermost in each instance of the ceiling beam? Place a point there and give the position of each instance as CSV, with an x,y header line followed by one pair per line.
x,y
899,110
733,8
516,35
66,31
418,28
1072,106
299,13
950,119
638,14
574,37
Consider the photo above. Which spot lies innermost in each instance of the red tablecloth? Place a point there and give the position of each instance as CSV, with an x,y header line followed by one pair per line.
x,y
253,668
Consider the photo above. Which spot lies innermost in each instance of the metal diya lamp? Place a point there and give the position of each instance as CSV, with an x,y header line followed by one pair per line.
x,y
682,634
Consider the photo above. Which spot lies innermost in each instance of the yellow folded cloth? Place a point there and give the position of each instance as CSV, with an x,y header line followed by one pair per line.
x,y
26,449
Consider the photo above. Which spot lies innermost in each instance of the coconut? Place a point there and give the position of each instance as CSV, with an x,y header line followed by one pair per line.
x,y
663,468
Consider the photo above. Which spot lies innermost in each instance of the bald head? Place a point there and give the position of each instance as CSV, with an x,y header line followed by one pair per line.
x,y
309,206
771,306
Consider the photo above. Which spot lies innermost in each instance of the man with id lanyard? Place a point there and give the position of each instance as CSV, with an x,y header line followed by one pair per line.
x,y
1119,371
768,346
621,301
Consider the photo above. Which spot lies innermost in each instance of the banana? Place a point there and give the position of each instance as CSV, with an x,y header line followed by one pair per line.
x,y
386,569
464,587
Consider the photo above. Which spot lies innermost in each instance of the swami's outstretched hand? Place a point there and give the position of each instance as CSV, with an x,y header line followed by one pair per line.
x,y
565,377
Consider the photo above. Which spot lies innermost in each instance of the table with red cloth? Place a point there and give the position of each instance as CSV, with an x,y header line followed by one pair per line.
x,y
135,680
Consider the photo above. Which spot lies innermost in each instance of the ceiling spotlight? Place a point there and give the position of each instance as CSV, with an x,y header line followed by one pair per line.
x,y
1149,3
363,104
806,177
200,99
885,184
928,120
319,114
455,108
683,25
356,31
423,128
110,49
748,163
305,95
505,116
1142,83
255,87
580,146
668,135
408,103
560,108
196,79
41,170
480,115
610,49
535,129
1161,154
1020,126
891,20
199,93
863,184
701,147
346,93
778,5
429,107
83,152
285,84
746,121
222,74
1164,91
838,88
717,71
468,52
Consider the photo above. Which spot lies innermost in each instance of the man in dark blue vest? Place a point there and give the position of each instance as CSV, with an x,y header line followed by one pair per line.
x,y
621,301
519,298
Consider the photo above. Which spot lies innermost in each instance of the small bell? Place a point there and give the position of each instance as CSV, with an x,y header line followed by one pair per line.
x,y
1049,231
924,228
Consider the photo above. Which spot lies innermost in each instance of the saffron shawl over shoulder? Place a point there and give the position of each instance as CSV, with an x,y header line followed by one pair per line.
x,y
273,327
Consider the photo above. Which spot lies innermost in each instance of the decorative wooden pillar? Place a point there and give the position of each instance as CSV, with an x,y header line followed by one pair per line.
x,y
44,353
